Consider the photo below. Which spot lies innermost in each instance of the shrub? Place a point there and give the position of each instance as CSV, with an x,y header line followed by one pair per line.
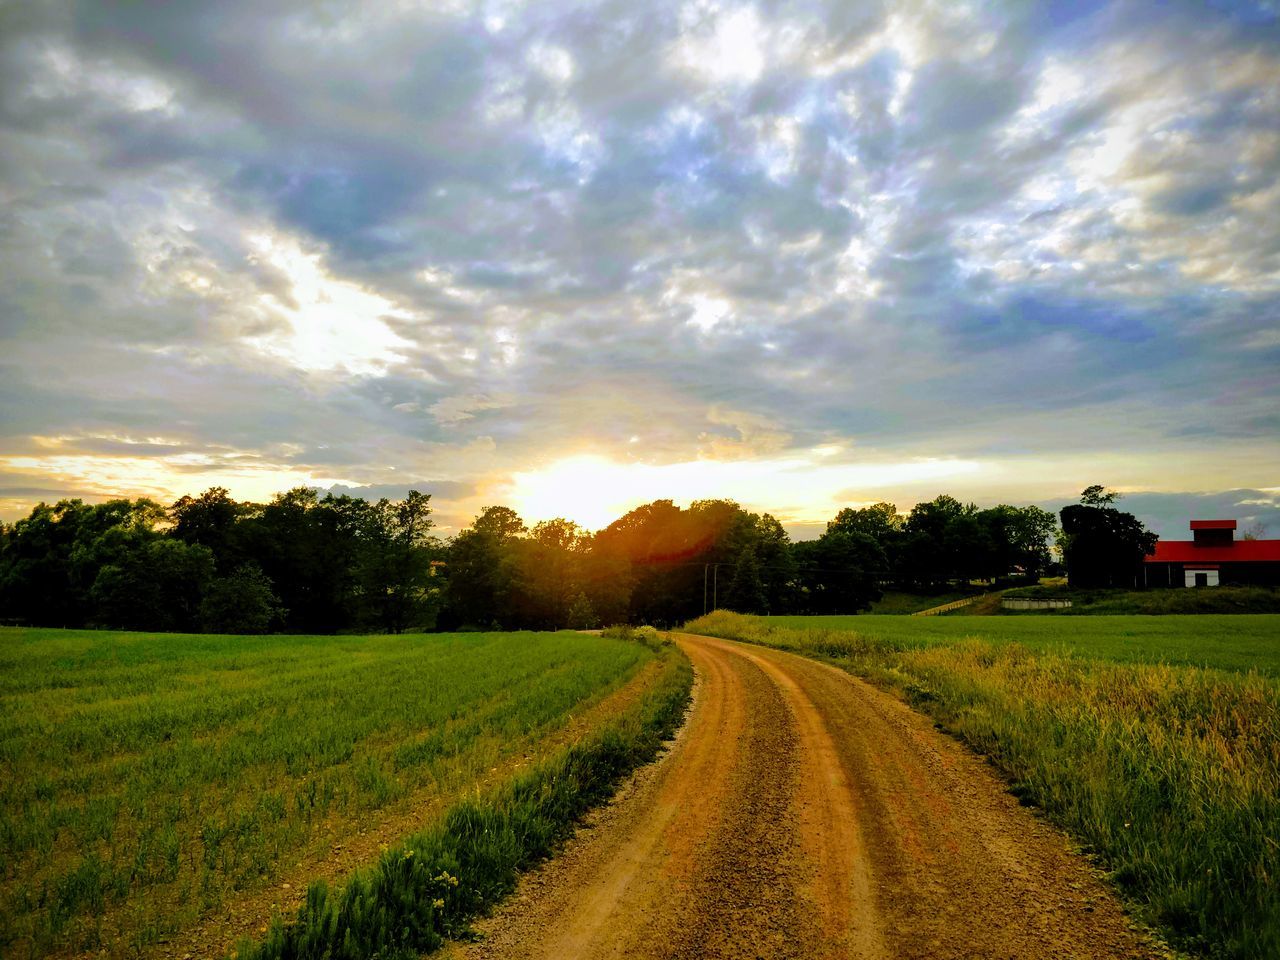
x,y
241,603
582,615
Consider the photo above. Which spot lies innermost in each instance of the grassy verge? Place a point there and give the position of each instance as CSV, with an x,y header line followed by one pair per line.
x,y
430,886
151,782
1170,773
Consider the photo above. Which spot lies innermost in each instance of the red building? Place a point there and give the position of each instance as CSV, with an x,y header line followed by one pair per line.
x,y
1213,557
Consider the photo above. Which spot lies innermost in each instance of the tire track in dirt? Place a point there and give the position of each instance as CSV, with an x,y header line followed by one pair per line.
x,y
803,813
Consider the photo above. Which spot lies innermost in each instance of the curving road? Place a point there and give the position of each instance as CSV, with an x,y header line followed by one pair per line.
x,y
803,813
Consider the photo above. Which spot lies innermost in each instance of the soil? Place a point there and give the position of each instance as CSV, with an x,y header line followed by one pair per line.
x,y
803,813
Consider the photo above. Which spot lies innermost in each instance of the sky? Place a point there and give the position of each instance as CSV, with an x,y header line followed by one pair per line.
x,y
573,257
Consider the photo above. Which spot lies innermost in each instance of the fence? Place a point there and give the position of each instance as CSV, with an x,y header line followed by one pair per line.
x,y
1024,603
953,605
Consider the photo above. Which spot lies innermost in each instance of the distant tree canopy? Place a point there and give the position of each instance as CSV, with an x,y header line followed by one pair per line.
x,y
310,564
299,563
1101,546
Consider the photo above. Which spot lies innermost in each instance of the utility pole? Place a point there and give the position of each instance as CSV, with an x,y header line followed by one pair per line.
x,y
715,585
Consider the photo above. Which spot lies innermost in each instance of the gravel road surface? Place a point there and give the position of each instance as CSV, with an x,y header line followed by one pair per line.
x,y
804,813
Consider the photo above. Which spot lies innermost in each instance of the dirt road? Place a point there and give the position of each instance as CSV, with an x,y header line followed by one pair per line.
x,y
802,813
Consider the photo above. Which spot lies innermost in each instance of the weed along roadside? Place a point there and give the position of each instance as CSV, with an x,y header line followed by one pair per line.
x,y
428,887
1171,774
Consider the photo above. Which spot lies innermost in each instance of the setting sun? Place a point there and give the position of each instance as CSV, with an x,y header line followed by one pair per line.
x,y
593,491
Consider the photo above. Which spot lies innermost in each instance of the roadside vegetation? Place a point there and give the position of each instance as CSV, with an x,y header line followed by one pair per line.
x,y
1169,772
150,779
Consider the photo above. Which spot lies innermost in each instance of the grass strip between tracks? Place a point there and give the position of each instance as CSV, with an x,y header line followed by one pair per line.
x,y
1170,773
432,884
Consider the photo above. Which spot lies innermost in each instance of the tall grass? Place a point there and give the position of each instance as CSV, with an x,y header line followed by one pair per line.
x,y
147,779
431,885
1170,773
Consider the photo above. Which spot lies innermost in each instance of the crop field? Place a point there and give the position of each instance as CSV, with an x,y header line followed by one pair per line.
x,y
1154,741
1243,642
150,782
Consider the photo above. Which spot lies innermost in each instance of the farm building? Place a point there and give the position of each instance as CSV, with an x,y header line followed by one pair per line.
x,y
1214,556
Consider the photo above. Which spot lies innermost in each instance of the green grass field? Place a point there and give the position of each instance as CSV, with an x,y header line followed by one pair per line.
x,y
1241,642
149,778
1167,769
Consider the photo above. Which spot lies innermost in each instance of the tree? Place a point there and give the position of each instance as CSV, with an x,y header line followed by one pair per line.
x,y
210,520
35,570
482,570
1031,531
746,592
501,523
838,573
53,557
1096,495
242,602
151,582
547,573
878,521
310,549
942,543
582,615
1010,539
393,563
1103,547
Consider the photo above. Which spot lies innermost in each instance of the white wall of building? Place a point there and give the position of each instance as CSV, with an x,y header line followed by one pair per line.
x,y
1211,577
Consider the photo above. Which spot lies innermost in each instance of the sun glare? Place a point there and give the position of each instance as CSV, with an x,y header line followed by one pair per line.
x,y
593,490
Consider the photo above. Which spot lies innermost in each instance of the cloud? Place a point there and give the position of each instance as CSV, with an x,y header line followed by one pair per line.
x,y
278,235
455,410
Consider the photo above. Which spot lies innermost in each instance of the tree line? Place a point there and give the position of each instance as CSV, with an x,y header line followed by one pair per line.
x,y
310,564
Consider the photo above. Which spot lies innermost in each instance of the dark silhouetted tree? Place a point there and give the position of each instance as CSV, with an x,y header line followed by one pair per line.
x,y
1102,547
242,602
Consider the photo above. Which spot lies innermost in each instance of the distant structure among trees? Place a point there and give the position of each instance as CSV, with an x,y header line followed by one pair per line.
x,y
1213,557
310,564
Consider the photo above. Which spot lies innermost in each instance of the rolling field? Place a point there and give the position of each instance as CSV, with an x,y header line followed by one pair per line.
x,y
1241,642
1168,770
151,782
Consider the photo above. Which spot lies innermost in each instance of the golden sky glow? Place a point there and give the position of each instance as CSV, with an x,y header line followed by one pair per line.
x,y
593,491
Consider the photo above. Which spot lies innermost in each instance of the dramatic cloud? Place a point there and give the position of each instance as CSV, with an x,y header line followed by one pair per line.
x,y
563,255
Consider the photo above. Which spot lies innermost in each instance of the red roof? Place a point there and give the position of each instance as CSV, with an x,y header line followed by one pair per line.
x,y
1241,551
1213,524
